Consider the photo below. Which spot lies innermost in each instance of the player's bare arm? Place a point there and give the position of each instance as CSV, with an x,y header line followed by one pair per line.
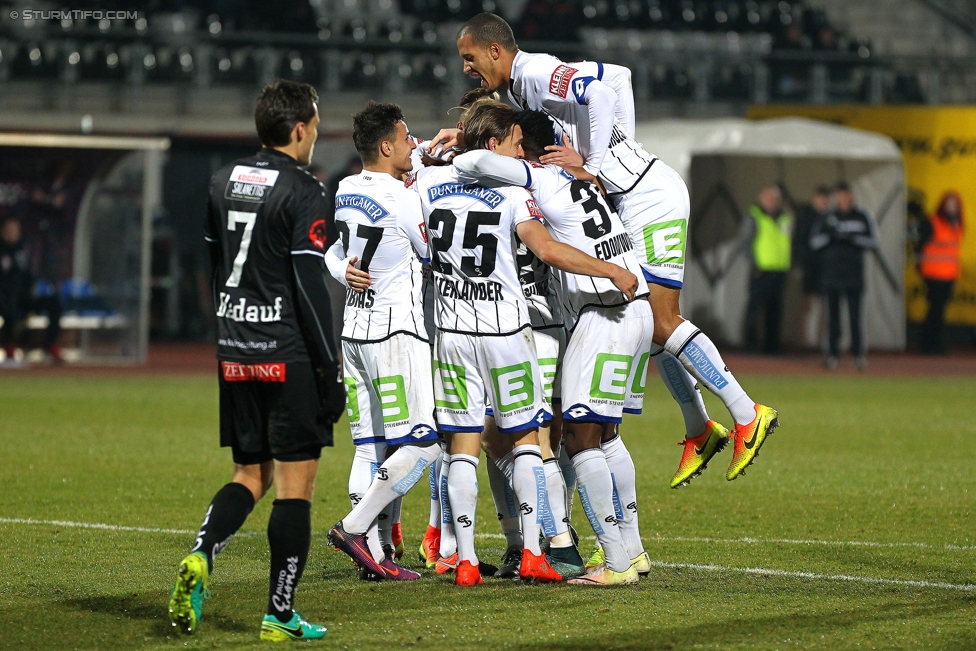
x,y
566,258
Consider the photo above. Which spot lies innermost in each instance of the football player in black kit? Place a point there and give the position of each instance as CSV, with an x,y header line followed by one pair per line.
x,y
268,226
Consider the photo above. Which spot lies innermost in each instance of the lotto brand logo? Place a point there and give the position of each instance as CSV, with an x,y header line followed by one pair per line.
x,y
578,412
366,205
665,242
420,431
234,372
559,81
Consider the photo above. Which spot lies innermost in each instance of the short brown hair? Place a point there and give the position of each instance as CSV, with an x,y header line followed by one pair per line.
x,y
489,120
486,29
281,105
373,125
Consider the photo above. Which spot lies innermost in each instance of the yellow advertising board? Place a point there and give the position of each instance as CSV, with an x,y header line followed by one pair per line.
x,y
939,147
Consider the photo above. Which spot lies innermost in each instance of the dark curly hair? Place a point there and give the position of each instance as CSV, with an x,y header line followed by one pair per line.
x,y
537,133
373,125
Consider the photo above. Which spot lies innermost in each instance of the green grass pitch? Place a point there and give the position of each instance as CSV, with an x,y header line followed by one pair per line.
x,y
891,462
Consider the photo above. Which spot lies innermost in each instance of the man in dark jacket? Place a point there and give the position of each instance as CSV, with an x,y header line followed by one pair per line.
x,y
809,262
16,298
842,236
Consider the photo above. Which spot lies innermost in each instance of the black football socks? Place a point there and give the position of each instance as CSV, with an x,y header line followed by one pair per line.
x,y
227,513
290,536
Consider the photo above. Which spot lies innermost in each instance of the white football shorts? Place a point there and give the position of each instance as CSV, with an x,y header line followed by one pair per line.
x,y
656,214
389,390
604,370
471,372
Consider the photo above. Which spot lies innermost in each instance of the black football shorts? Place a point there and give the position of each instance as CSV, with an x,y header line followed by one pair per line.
x,y
271,410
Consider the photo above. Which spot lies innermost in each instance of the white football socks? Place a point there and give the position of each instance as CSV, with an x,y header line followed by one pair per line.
x,y
365,462
684,389
448,545
701,358
505,505
433,476
556,488
595,487
529,483
462,488
624,477
393,479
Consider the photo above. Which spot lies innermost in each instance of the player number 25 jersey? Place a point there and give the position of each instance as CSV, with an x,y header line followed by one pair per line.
x,y
472,243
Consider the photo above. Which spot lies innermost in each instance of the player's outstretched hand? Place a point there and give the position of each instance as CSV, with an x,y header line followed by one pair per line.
x,y
357,279
626,282
445,139
567,158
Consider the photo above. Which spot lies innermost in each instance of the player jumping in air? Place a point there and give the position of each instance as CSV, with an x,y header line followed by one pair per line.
x,y
592,105
484,348
385,348
280,380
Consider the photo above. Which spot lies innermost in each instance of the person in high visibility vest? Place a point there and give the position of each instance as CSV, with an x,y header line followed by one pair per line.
x,y
768,230
843,235
940,240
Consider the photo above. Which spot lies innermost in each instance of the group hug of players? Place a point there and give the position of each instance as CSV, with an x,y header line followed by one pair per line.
x,y
505,293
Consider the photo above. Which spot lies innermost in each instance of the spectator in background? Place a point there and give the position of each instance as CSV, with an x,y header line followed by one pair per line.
x,y
843,235
16,298
768,228
809,261
352,167
940,241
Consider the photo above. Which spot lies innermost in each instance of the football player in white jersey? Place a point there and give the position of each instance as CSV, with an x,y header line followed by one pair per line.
x,y
484,349
653,204
384,339
608,349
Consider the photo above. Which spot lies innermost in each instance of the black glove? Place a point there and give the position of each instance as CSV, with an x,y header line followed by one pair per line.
x,y
332,391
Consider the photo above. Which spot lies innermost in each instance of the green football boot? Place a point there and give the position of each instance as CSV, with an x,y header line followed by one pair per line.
x,y
597,557
186,602
297,628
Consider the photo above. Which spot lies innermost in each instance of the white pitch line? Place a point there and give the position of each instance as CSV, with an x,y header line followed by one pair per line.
x,y
750,541
795,541
965,587
93,525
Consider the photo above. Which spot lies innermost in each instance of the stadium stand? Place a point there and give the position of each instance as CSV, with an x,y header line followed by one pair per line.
x,y
684,50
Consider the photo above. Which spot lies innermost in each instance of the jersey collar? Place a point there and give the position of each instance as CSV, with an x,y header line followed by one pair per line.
x,y
267,153
515,77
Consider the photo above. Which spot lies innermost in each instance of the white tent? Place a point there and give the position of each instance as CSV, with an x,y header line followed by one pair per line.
x,y
725,163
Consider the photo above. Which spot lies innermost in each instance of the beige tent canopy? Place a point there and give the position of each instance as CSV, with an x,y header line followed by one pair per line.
x,y
725,162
